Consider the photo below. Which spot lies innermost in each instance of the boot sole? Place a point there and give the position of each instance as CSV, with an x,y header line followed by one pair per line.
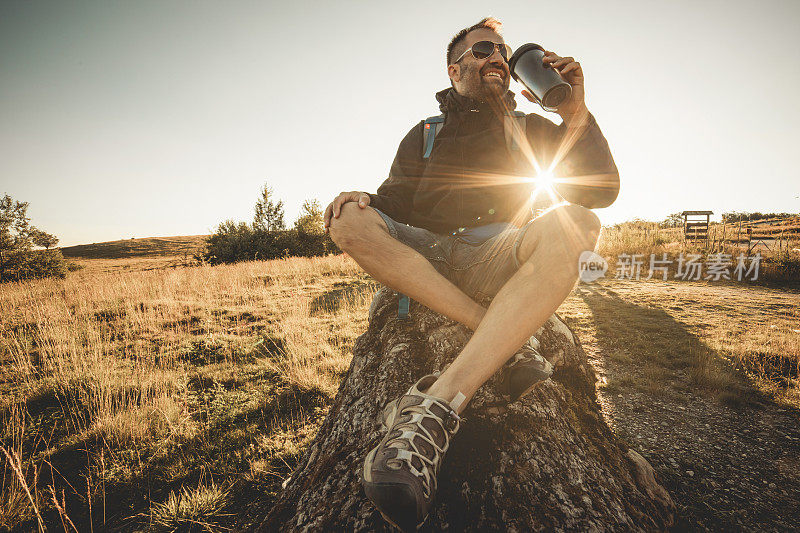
x,y
504,386
528,390
389,520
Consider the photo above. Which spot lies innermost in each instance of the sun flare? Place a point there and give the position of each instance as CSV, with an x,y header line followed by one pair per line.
x,y
545,180
543,183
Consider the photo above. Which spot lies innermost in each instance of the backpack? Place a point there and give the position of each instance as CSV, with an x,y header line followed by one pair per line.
x,y
514,126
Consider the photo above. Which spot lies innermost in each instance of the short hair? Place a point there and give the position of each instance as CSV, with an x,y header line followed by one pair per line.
x,y
489,23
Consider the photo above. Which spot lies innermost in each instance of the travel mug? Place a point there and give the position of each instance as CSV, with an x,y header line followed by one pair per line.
x,y
544,82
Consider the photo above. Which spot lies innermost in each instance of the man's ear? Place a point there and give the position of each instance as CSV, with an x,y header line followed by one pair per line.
x,y
454,72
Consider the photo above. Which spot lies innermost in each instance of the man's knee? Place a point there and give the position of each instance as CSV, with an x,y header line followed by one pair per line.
x,y
583,220
354,226
573,226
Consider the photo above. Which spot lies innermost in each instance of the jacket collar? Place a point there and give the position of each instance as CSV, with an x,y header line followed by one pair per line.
x,y
450,101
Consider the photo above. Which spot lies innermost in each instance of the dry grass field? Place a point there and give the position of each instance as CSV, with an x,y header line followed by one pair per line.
x,y
780,257
143,394
148,398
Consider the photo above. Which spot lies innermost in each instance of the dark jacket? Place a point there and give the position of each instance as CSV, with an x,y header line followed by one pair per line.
x,y
472,178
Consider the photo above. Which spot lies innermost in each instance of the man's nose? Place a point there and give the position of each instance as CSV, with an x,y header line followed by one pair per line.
x,y
496,57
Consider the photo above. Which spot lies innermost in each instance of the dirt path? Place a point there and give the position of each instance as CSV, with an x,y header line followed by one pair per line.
x,y
731,462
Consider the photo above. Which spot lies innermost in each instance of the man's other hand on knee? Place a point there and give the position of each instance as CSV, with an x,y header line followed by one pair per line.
x,y
334,208
352,227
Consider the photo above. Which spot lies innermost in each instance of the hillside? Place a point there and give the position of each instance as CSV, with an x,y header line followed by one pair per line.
x,y
146,247
786,228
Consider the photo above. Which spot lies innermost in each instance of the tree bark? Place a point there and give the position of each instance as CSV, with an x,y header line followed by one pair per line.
x,y
547,462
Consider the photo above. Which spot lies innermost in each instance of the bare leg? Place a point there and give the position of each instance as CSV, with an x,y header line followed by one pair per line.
x,y
550,252
362,233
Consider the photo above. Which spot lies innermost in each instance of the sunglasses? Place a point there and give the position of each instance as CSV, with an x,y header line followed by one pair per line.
x,y
484,49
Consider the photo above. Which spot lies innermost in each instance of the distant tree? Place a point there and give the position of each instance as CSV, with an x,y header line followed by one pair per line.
x,y
18,258
731,217
269,214
45,240
310,237
675,220
310,220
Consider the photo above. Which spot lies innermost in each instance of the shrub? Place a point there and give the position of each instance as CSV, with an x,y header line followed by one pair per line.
x,y
239,242
230,242
267,238
18,259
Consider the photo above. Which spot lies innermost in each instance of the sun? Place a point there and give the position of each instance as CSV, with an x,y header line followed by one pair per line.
x,y
545,180
543,183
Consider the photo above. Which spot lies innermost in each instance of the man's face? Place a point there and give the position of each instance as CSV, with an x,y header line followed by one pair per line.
x,y
478,78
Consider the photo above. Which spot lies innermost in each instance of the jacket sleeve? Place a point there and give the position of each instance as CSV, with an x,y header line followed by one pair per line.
x,y
585,170
395,196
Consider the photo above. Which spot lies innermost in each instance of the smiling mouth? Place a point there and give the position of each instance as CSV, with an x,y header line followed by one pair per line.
x,y
494,75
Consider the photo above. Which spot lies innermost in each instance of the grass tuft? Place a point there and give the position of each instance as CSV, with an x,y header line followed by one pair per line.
x,y
186,510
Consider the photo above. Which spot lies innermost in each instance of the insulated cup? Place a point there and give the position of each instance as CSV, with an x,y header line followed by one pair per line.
x,y
544,82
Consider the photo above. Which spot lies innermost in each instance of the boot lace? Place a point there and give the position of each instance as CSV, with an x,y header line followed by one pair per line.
x,y
411,434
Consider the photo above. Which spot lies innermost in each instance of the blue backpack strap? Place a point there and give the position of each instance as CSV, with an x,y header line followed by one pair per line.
x,y
515,127
429,131
403,306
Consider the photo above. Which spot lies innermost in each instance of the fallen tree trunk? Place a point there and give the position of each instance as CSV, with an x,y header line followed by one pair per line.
x,y
546,462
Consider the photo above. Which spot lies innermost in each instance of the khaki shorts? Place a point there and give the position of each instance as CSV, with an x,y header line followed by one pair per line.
x,y
480,270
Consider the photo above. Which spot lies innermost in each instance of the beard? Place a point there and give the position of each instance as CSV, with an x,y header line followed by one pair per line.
x,y
479,89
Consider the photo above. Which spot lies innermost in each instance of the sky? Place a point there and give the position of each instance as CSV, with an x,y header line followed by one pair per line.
x,y
138,119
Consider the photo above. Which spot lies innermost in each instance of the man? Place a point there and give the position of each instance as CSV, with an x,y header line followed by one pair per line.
x,y
455,227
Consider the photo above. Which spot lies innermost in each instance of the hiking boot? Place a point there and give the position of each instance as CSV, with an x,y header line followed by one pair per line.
x,y
525,370
400,473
